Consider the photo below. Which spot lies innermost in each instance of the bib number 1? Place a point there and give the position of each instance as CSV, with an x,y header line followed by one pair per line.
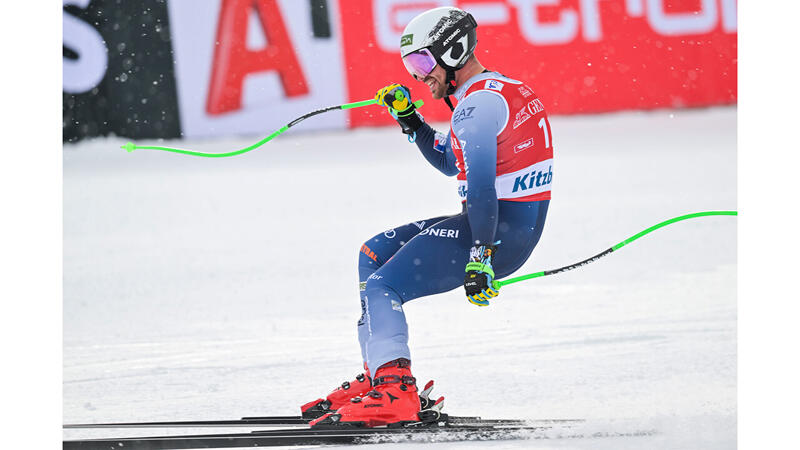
x,y
546,129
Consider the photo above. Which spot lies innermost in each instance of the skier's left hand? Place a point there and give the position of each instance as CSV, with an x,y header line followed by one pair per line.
x,y
478,282
397,98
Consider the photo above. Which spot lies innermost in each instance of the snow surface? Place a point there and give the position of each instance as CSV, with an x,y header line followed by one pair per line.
x,y
219,288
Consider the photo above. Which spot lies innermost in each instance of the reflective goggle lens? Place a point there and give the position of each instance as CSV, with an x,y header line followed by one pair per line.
x,y
419,64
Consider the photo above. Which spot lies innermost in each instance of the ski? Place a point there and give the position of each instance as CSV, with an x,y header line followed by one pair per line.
x,y
266,421
243,422
442,431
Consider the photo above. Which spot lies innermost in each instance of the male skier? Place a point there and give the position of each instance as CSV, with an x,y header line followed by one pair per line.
x,y
500,148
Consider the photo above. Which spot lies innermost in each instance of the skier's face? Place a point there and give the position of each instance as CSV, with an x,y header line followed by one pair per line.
x,y
436,82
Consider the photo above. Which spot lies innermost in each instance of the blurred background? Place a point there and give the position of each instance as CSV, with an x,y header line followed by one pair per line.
x,y
205,68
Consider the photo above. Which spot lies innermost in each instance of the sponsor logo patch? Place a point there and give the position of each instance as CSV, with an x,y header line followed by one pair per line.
x,y
465,113
525,91
521,117
440,232
440,142
370,254
406,39
528,143
536,178
531,180
494,85
533,107
450,38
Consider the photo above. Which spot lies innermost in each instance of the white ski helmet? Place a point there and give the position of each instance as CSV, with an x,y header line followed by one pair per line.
x,y
444,36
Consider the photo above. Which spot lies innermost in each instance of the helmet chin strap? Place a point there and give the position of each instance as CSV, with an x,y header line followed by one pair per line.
x,y
450,81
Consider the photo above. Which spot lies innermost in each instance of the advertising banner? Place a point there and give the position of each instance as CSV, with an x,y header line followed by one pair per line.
x,y
250,66
204,68
117,70
581,56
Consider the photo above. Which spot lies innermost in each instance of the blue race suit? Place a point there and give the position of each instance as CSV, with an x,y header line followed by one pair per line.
x,y
428,256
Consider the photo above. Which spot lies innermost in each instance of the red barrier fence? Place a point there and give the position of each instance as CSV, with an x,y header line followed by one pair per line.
x,y
582,56
248,66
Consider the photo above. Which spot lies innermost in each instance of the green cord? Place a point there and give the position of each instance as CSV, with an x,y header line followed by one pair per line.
x,y
130,146
498,284
673,220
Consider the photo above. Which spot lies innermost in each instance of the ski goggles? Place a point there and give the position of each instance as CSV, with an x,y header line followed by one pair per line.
x,y
420,63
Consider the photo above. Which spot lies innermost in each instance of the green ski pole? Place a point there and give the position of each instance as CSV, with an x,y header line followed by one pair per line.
x,y
130,146
500,283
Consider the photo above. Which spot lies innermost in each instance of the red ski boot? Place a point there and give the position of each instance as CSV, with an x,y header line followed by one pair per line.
x,y
339,397
393,401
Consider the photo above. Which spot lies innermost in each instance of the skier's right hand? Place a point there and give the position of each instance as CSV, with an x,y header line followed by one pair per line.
x,y
479,282
397,98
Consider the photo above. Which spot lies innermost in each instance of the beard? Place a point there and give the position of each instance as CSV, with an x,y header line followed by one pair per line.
x,y
439,91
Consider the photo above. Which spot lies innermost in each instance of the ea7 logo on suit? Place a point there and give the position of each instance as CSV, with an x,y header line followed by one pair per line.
x,y
465,113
